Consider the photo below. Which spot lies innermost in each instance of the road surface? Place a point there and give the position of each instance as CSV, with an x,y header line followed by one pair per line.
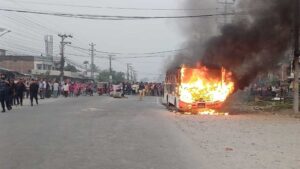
x,y
105,133
93,133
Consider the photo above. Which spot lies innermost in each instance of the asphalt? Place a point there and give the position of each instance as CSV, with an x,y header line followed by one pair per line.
x,y
97,132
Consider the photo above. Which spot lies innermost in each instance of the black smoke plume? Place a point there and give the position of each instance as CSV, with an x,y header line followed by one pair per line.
x,y
254,42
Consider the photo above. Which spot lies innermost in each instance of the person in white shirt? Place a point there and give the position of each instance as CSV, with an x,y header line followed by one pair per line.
x,y
55,89
66,89
41,89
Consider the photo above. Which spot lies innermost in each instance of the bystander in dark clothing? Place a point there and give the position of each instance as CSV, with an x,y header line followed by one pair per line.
x,y
12,93
142,90
3,94
20,89
34,90
48,90
27,89
7,97
129,89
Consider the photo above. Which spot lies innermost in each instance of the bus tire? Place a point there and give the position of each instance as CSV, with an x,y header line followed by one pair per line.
x,y
175,106
168,104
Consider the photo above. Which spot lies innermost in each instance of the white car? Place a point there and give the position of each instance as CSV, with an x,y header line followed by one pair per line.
x,y
116,91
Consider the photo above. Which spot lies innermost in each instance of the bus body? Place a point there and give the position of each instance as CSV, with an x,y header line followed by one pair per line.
x,y
172,95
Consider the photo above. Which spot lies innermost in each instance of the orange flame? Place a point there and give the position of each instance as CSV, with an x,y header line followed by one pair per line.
x,y
204,84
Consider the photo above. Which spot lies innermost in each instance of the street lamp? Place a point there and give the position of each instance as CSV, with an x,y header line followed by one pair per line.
x,y
5,32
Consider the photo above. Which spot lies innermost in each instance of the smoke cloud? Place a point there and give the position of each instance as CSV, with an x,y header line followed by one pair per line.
x,y
253,43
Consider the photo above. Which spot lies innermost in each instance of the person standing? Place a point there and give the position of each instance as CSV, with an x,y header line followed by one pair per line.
x,y
55,89
47,90
40,92
44,89
12,92
7,96
141,91
66,89
3,93
20,89
76,89
71,89
34,90
27,84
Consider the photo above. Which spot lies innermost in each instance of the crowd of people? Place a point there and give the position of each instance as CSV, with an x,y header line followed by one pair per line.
x,y
13,91
270,92
142,89
147,89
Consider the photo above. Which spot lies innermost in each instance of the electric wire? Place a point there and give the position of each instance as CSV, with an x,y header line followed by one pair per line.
x,y
114,17
117,8
119,53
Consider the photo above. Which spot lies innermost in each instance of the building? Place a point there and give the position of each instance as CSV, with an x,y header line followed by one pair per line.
x,y
25,64
2,52
49,46
43,63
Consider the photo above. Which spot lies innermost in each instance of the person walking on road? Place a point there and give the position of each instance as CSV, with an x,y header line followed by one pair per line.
x,y
12,92
34,90
141,91
3,93
27,84
20,89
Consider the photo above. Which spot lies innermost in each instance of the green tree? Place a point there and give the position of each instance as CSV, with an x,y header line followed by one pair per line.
x,y
71,68
86,64
94,68
118,77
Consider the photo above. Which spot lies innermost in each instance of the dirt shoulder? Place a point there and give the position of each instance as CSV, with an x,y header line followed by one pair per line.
x,y
264,140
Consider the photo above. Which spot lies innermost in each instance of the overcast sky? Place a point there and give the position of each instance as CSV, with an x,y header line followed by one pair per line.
x,y
138,36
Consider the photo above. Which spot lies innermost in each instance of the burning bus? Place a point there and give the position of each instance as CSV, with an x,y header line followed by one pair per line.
x,y
197,89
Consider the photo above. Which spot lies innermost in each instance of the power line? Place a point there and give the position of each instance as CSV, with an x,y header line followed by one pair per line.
x,y
21,48
113,17
30,30
79,55
149,53
118,8
27,26
77,47
133,53
46,22
83,52
140,57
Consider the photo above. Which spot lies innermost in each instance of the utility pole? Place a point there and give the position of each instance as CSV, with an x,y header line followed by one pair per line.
x,y
128,70
296,57
92,59
131,73
5,32
226,3
62,50
110,68
225,12
134,75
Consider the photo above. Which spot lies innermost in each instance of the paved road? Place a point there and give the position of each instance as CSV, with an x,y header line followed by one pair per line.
x,y
94,133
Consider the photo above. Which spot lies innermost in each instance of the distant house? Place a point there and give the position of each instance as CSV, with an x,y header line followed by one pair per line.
x,y
25,64
11,74
2,52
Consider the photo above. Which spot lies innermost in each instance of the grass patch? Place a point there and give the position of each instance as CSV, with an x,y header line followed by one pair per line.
x,y
271,105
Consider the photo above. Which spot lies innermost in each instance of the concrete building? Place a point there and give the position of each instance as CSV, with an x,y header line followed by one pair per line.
x,y
49,46
55,74
2,52
25,64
